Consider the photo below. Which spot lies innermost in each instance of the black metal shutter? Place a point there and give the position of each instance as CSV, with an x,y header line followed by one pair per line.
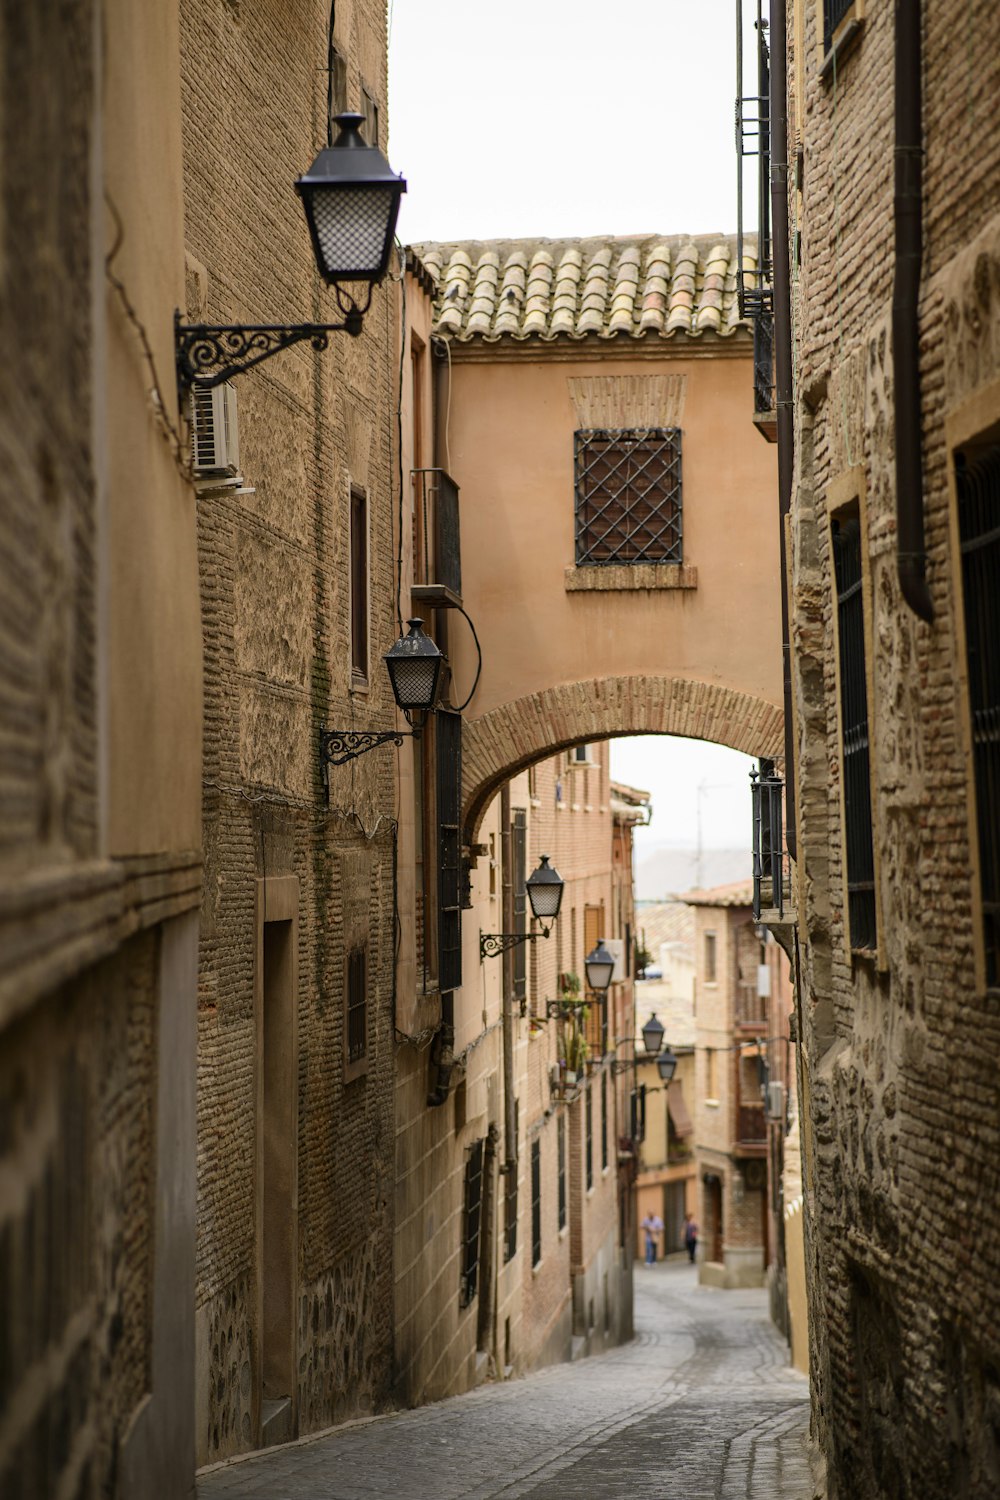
x,y
854,725
449,810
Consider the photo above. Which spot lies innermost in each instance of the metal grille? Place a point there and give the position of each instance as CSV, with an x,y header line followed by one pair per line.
x,y
769,878
561,1170
510,1198
753,140
519,857
589,1135
473,1220
628,496
978,483
357,1004
834,12
854,725
763,360
449,804
536,1202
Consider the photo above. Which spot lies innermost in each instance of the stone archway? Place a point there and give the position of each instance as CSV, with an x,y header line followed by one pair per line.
x,y
514,735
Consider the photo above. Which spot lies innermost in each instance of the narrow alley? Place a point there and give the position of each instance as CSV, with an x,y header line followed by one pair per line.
x,y
702,1405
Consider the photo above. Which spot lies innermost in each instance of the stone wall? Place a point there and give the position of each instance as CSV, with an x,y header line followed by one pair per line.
x,y
900,1137
275,560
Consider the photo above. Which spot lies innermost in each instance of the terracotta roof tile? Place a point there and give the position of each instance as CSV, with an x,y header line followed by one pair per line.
x,y
547,289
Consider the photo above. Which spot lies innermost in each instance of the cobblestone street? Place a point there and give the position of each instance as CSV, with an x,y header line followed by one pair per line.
x,y
702,1405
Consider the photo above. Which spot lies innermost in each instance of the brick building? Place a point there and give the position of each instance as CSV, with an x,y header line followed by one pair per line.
x,y
297,540
100,703
888,384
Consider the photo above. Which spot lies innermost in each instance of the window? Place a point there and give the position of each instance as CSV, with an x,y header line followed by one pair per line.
x,y
977,483
510,1197
854,733
536,1201
628,496
834,12
472,1220
519,858
604,1122
359,587
589,1135
712,1077
710,958
580,756
357,1004
561,1170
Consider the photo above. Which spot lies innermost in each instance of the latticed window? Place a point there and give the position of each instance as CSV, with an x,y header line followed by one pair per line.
x,y
977,479
854,731
357,1004
472,1222
628,496
536,1201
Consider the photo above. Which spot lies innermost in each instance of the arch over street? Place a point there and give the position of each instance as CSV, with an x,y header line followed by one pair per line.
x,y
514,735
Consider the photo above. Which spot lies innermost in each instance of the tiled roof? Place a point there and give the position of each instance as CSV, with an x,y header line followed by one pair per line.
x,y
633,286
740,893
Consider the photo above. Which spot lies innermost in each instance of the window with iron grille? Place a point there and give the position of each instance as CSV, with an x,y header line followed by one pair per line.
x,y
472,1220
604,1122
536,1201
359,586
519,858
628,496
510,1197
589,1137
977,482
561,1170
860,851
357,1004
448,731
834,12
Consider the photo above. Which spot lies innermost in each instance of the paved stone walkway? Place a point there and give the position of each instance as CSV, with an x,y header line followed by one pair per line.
x,y
700,1406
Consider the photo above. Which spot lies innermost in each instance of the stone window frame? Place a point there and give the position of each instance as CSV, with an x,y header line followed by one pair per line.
x,y
846,493
974,421
846,35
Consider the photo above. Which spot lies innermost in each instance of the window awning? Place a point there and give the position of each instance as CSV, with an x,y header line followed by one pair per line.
x,y
678,1109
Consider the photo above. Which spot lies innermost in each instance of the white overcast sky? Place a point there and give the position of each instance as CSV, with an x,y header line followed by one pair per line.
x,y
570,118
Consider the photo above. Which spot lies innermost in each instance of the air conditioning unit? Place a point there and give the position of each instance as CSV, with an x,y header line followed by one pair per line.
x,y
616,947
776,1100
215,431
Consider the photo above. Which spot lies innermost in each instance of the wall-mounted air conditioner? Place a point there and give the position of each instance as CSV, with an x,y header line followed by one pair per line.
x,y
616,947
776,1100
215,432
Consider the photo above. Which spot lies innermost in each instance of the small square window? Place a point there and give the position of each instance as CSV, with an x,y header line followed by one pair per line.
x,y
628,496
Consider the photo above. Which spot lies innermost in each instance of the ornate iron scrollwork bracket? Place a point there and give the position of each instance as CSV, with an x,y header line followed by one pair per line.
x,y
563,1010
209,353
492,944
338,746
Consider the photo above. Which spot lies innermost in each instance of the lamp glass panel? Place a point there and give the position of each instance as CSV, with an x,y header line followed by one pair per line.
x,y
667,1065
652,1035
544,897
414,680
351,226
599,973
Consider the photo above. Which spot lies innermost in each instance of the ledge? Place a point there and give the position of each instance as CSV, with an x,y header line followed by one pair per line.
x,y
630,577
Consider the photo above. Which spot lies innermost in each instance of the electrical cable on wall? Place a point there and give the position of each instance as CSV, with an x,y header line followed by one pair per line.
x,y
479,651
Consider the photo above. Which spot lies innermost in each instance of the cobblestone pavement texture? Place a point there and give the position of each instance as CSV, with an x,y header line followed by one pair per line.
x,y
702,1405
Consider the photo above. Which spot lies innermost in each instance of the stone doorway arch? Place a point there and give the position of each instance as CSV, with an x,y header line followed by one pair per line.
x,y
515,735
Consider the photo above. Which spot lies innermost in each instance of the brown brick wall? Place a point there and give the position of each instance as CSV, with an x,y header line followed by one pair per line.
x,y
903,1091
274,567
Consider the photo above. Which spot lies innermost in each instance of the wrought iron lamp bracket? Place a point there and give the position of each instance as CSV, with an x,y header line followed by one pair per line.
x,y
338,746
208,354
492,944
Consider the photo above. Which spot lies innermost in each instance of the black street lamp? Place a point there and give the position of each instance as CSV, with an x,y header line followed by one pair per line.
x,y
652,1035
545,890
599,966
414,665
351,199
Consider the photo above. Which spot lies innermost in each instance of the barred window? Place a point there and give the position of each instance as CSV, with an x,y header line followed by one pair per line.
x,y
589,1144
519,858
977,482
834,12
604,1120
536,1201
860,850
561,1170
628,496
357,1004
472,1221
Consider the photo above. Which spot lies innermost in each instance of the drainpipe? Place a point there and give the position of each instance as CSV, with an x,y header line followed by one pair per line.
x,y
911,548
783,369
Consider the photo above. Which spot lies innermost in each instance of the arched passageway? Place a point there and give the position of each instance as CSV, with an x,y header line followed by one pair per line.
x,y
514,735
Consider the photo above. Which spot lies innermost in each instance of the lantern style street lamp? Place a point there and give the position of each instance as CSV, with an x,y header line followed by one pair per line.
x,y
652,1035
545,890
414,666
598,967
351,199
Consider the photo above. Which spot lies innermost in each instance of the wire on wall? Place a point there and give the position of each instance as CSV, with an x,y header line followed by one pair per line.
x,y
479,652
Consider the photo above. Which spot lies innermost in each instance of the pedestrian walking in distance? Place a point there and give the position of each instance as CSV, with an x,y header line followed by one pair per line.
x,y
653,1225
690,1237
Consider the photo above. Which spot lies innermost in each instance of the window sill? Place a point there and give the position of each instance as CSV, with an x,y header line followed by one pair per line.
x,y
846,35
355,1070
630,578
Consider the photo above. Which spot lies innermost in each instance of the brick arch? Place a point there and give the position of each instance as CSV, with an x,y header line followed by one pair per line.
x,y
515,735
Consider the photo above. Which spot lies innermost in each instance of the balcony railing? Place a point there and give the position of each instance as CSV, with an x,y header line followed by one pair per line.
x,y
763,361
753,142
771,867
